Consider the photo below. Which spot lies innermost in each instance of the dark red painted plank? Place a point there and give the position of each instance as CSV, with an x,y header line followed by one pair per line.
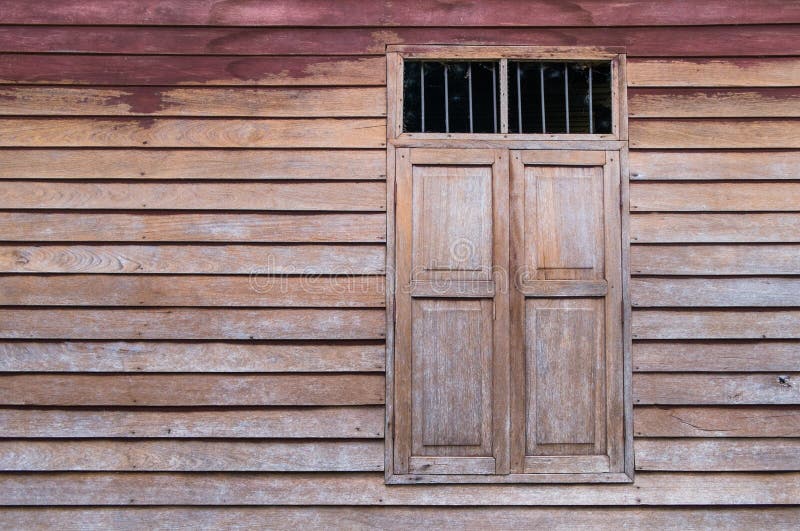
x,y
400,13
645,42
191,70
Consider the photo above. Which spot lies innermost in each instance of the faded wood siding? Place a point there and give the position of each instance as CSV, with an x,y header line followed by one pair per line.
x,y
148,171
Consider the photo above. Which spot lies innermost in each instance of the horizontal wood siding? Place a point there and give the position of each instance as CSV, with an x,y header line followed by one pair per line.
x,y
193,216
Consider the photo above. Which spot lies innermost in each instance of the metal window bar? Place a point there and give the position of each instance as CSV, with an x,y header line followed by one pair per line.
x,y
422,91
494,98
591,111
566,95
541,93
519,100
469,86
446,100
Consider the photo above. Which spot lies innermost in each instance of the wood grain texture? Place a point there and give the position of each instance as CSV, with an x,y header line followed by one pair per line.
x,y
711,72
714,103
715,228
361,422
67,69
189,356
195,164
195,323
709,291
716,324
715,259
715,197
191,390
718,454
191,456
190,227
714,133
323,196
194,259
193,133
716,389
713,165
712,421
166,101
719,356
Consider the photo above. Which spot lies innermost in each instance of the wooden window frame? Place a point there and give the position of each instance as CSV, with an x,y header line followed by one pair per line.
x,y
616,142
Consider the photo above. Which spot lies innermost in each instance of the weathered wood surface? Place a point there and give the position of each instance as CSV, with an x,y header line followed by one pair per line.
x,y
193,133
713,165
703,455
714,133
191,227
165,101
715,259
361,422
66,69
716,389
191,390
719,356
192,456
711,72
716,324
709,291
196,259
714,103
343,196
713,421
195,164
715,228
189,356
714,196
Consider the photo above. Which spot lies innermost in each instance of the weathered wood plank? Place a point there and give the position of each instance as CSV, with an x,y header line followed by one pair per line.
x,y
184,227
365,422
193,133
144,356
164,101
709,291
194,323
714,103
714,196
192,390
733,72
703,455
719,356
716,389
194,259
193,164
715,259
738,421
715,228
716,324
713,165
192,456
714,133
96,489
340,196
65,69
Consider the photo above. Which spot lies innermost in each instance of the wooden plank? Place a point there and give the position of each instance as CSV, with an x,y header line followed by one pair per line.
x,y
714,133
145,356
191,390
715,259
194,323
719,356
711,72
194,259
737,421
716,324
192,456
67,69
709,291
714,103
165,101
340,196
191,227
654,488
718,454
402,517
193,164
715,228
194,133
713,165
716,389
365,422
714,196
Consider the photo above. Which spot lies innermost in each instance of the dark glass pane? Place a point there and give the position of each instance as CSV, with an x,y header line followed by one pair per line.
x,y
485,98
412,103
434,97
555,107
458,94
524,87
578,74
601,97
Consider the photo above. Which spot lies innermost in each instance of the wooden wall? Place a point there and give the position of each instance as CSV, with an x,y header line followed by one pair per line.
x,y
159,160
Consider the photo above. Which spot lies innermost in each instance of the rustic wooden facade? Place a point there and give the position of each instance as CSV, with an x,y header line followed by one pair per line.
x,y
162,163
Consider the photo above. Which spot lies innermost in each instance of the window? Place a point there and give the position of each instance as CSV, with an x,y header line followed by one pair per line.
x,y
506,350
